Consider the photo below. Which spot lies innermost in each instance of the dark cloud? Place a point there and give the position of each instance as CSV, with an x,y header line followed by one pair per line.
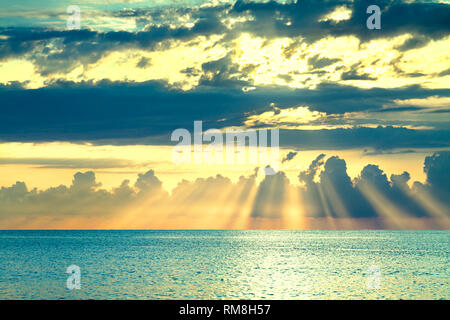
x,y
316,62
147,113
84,47
328,191
414,43
221,73
378,152
354,75
398,17
62,50
380,138
438,176
271,196
144,63
371,194
125,112
399,109
444,73
339,196
439,111
291,155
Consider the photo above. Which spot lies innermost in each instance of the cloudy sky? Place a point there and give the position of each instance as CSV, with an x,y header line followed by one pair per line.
x,y
87,113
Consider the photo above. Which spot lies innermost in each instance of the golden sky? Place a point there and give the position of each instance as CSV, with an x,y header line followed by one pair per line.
x,y
86,109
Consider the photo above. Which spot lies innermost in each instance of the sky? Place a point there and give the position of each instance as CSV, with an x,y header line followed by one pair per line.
x,y
88,113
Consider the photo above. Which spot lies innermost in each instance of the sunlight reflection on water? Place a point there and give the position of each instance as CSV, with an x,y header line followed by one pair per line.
x,y
224,264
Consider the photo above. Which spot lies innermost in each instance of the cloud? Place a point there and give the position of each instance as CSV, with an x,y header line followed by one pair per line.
x,y
139,113
54,50
234,62
378,138
414,43
83,198
326,191
84,47
438,176
353,75
316,62
305,18
147,182
291,155
143,63
78,163
308,18
271,196
371,194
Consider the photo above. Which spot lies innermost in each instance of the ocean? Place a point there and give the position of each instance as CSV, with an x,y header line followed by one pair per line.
x,y
225,264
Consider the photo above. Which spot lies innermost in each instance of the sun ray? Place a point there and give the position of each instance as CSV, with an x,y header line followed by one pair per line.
x,y
329,216
392,215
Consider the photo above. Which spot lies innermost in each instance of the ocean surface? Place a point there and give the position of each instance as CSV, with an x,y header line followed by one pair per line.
x,y
226,264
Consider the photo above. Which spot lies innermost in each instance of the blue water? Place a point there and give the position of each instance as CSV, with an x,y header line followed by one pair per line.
x,y
226,264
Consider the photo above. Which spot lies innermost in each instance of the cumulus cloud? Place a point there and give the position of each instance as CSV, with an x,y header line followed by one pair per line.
x,y
326,191
84,197
438,176
372,194
271,196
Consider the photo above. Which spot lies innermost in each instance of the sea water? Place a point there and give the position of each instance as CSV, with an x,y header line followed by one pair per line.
x,y
225,264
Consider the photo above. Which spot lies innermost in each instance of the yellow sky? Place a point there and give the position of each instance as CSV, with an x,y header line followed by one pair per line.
x,y
159,158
